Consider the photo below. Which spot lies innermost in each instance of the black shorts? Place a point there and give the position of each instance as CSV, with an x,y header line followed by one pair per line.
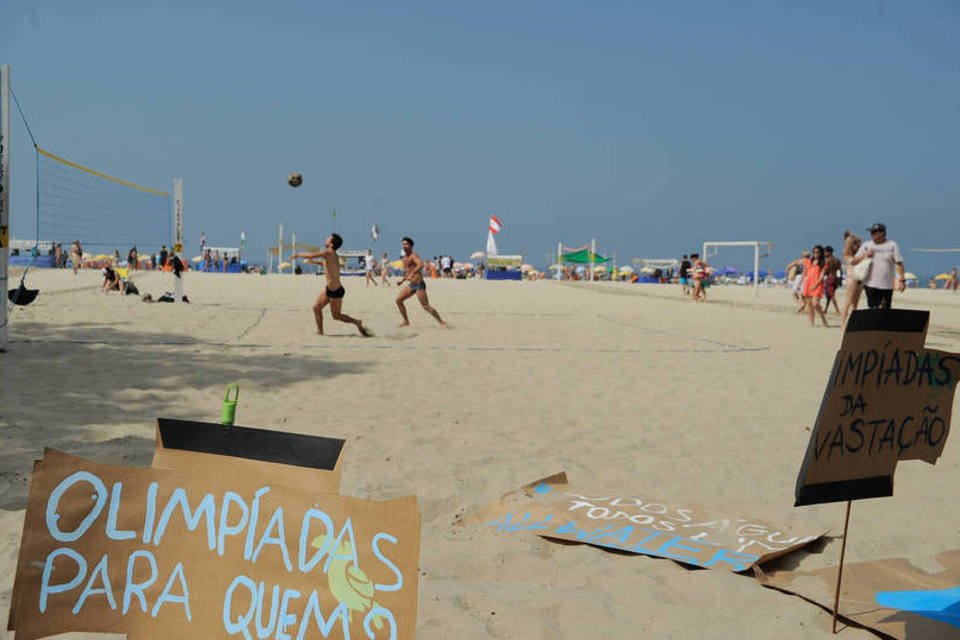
x,y
879,298
335,293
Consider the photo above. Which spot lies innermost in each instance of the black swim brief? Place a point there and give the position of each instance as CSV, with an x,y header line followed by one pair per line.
x,y
335,293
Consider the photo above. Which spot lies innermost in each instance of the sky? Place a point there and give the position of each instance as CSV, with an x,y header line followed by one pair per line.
x,y
650,126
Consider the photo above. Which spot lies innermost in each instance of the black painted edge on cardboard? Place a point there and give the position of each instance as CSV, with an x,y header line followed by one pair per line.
x,y
296,449
859,489
901,320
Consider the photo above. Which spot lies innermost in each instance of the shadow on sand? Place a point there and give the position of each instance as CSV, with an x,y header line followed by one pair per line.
x,y
142,374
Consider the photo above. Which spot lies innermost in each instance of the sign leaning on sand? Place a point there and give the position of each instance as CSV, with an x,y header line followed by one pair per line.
x,y
196,552
888,399
688,533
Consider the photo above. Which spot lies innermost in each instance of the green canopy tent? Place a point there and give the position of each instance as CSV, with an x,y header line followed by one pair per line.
x,y
584,256
587,254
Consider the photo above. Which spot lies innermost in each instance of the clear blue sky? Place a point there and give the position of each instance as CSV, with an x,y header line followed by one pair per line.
x,y
652,126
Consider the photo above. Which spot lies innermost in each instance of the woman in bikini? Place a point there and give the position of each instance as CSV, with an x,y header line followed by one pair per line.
x,y
851,244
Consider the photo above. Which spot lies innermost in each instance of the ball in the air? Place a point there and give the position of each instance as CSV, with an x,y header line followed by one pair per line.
x,y
294,179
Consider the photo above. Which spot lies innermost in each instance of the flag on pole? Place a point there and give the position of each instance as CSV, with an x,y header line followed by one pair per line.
x,y
243,239
491,244
375,231
203,241
493,229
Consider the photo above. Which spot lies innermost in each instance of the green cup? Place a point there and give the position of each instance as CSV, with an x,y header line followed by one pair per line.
x,y
229,412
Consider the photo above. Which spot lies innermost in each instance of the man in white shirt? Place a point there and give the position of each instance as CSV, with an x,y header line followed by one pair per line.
x,y
369,266
885,257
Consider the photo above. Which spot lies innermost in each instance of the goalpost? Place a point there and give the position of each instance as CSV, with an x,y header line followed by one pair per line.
x,y
756,244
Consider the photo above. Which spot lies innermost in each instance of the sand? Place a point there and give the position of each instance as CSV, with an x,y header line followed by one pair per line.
x,y
627,388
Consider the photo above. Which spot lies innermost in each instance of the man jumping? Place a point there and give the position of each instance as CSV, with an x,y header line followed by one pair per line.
x,y
413,276
334,292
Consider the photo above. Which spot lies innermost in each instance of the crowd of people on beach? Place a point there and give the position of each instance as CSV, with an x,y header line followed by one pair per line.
x,y
873,267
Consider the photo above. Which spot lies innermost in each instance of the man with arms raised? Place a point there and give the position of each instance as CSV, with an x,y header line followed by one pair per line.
x,y
413,276
333,295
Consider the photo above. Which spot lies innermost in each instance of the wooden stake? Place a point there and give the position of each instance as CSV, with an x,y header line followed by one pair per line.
x,y
843,549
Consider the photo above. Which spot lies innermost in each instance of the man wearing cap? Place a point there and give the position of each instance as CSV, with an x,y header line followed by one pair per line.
x,y
884,256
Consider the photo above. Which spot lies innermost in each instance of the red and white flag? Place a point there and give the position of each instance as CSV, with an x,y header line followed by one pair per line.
x,y
495,225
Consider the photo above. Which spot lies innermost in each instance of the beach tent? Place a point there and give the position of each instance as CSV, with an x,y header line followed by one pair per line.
x,y
583,256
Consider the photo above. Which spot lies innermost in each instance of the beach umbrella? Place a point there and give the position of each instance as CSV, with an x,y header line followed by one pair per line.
x,y
196,259
648,270
283,265
910,276
477,255
397,264
626,269
527,267
942,276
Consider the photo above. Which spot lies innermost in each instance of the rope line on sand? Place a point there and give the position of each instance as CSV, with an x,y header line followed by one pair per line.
x,y
670,334
484,349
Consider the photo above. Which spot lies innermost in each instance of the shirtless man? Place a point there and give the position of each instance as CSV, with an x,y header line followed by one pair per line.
x,y
413,276
333,295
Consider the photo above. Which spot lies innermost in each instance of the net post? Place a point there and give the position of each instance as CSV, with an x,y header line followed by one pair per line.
x,y
280,249
756,270
178,236
4,196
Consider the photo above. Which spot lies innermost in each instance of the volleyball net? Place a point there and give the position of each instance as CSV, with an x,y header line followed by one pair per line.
x,y
103,212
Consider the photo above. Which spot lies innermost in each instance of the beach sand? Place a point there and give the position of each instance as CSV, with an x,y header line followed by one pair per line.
x,y
628,388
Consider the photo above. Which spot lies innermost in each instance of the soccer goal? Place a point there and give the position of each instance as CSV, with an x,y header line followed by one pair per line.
x,y
761,249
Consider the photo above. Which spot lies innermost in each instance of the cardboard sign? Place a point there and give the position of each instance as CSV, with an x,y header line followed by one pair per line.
x,y
157,553
288,459
890,596
688,533
888,399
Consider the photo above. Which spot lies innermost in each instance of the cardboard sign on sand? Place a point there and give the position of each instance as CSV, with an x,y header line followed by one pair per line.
x,y
688,533
888,399
890,596
159,553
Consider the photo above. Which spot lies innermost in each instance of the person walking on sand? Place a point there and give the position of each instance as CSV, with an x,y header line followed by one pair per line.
x,y
855,274
814,282
832,280
685,276
885,257
76,256
795,279
413,276
700,271
369,268
334,292
385,269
